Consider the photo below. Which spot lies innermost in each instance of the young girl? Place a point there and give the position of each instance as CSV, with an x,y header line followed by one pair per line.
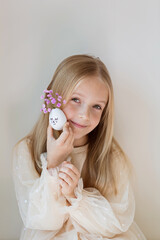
x,y
75,183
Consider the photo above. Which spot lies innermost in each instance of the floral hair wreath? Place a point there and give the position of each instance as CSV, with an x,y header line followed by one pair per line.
x,y
50,99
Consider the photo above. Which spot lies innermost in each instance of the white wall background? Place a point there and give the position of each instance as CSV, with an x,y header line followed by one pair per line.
x,y
36,36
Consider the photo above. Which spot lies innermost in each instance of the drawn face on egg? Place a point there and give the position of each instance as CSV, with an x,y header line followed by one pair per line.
x,y
54,120
57,119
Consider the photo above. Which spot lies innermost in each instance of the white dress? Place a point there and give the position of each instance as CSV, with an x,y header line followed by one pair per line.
x,y
47,216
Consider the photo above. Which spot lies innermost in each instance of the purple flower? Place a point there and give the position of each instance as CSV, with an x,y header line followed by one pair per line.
x,y
46,91
47,100
58,104
53,101
44,110
50,99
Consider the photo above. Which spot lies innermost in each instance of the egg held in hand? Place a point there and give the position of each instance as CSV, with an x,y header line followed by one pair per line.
x,y
57,119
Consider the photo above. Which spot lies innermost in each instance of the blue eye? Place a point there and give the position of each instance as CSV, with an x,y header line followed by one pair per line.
x,y
75,100
98,107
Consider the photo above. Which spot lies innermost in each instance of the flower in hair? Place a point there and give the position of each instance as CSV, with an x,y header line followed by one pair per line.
x,y
50,99
57,117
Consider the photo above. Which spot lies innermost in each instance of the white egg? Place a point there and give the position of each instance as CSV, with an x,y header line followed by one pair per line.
x,y
57,119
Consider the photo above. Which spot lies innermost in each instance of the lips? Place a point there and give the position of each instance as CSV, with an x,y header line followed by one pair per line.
x,y
78,125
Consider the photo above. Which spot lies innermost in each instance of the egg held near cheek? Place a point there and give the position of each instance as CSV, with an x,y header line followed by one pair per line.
x,y
57,119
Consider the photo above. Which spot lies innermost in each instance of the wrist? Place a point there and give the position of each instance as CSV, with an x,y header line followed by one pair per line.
x,y
51,164
70,196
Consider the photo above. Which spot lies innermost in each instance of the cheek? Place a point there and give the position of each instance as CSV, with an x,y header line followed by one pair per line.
x,y
95,119
69,111
96,115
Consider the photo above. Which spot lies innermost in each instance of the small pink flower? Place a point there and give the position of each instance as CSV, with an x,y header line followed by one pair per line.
x,y
58,104
45,111
47,100
46,91
53,101
50,99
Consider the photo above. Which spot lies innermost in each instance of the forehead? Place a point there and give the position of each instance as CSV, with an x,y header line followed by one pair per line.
x,y
92,87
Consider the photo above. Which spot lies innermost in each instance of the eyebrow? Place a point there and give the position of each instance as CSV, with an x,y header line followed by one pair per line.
x,y
101,101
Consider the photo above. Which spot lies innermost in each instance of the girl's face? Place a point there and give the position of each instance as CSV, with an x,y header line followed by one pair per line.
x,y
85,107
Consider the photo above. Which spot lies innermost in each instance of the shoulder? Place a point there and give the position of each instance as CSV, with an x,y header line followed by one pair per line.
x,y
121,163
119,156
22,162
23,167
21,147
21,153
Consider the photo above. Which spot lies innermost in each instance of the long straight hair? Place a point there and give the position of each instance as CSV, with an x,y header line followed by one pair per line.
x,y
101,163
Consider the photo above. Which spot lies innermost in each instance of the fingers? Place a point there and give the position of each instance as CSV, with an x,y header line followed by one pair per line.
x,y
62,138
63,183
65,127
70,169
70,140
70,174
67,135
50,132
66,178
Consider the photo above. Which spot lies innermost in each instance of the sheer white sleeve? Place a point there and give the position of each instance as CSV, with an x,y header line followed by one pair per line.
x,y
40,203
92,213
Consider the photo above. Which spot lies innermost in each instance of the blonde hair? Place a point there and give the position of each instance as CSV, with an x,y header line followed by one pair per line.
x,y
103,149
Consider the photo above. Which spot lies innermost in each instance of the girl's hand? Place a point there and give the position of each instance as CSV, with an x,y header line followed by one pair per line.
x,y
69,176
59,149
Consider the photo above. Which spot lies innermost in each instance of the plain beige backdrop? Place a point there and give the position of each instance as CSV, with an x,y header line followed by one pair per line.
x,y
35,36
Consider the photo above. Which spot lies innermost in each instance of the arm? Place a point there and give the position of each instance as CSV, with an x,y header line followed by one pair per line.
x,y
92,213
40,203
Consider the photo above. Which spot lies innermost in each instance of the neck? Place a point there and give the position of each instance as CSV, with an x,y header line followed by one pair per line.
x,y
80,142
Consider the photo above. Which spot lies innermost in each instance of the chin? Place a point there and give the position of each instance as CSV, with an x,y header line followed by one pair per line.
x,y
80,136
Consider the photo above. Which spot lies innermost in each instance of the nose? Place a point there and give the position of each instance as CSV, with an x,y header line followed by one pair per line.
x,y
84,112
